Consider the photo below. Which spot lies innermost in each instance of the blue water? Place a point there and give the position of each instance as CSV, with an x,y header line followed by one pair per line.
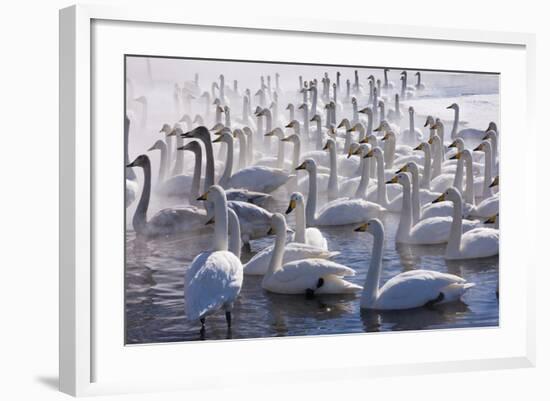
x,y
155,302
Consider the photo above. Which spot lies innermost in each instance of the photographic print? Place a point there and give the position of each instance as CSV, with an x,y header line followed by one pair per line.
x,y
268,199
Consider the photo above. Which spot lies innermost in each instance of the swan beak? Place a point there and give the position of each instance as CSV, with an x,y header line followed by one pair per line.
x,y
433,126
350,153
182,148
291,206
340,125
271,231
362,228
491,220
152,148
203,197
419,147
133,164
426,123
301,166
369,154
440,198
211,221
301,107
494,183
286,139
270,133
392,181
364,140
456,157
218,139
172,133
450,107
379,128
452,145
485,137
479,147
312,119
326,146
289,125
351,129
363,111
402,169
385,137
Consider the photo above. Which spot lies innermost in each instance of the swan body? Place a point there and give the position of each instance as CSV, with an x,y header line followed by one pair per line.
x,y
306,276
254,221
412,289
214,279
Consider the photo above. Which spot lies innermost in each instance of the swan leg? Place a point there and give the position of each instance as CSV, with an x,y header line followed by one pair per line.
x,y
228,318
434,301
310,293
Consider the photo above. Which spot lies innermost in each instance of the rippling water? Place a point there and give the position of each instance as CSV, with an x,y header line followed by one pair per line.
x,y
155,302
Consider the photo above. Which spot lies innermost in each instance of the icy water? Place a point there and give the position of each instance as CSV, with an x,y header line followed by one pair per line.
x,y
155,302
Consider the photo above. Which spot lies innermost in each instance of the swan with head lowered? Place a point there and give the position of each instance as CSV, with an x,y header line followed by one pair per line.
x,y
480,242
214,279
341,211
433,230
168,221
305,276
412,289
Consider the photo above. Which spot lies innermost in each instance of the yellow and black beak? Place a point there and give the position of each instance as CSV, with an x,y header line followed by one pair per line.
x,y
419,147
362,228
326,146
485,137
218,139
301,166
369,154
210,221
271,231
291,206
431,140
440,198
379,128
452,145
402,169
393,180
364,140
479,147
457,156
494,183
289,125
203,197
491,220
270,133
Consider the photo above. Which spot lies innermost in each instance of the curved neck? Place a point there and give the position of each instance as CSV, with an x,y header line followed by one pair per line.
x,y
333,176
364,181
459,174
296,153
469,188
415,197
209,173
178,167
311,205
437,159
163,163
380,181
405,221
220,225
234,233
487,178
427,175
454,131
453,245
140,215
224,179
300,235
277,255
243,150
372,282
196,174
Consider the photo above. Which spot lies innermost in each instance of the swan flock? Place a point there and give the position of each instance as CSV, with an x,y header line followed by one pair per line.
x,y
271,168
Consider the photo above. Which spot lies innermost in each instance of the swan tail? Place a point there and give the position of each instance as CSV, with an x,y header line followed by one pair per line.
x,y
454,291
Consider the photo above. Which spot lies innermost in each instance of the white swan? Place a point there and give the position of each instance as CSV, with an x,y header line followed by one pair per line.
x,y
310,235
433,230
306,276
412,289
412,135
214,279
338,212
131,184
471,136
167,221
480,242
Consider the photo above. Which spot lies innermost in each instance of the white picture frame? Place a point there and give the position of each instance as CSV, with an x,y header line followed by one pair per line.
x,y
82,343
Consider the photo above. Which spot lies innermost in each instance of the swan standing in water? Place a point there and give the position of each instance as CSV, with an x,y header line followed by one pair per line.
x,y
480,242
168,221
214,279
306,276
412,289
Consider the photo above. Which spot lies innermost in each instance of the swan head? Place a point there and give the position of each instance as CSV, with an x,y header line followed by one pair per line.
x,y
214,192
451,194
366,110
381,103
457,143
417,73
278,224
217,128
205,94
492,127
453,106
353,128
296,198
302,106
291,138
353,149
292,124
403,73
197,119
434,139
166,129
373,226
400,178
329,145
492,219
388,135
217,101
290,106
237,132
354,100
483,146
344,123
316,118
225,136
199,132
411,110
193,146
384,126
429,121
275,132
308,165
494,183
157,145
456,156
140,161
374,152
371,78
437,124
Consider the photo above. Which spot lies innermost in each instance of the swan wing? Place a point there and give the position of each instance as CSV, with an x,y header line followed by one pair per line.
x,y
480,242
416,288
254,220
176,220
176,186
213,280
259,179
346,211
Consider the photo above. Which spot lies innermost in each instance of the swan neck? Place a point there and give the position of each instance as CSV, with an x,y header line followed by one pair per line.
x,y
220,224
364,181
311,205
276,261
454,131
380,181
372,282
209,173
140,215
427,175
405,221
415,198
300,223
234,233
224,179
488,173
196,174
453,246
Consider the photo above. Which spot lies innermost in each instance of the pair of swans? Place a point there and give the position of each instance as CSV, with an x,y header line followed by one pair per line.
x,y
214,279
